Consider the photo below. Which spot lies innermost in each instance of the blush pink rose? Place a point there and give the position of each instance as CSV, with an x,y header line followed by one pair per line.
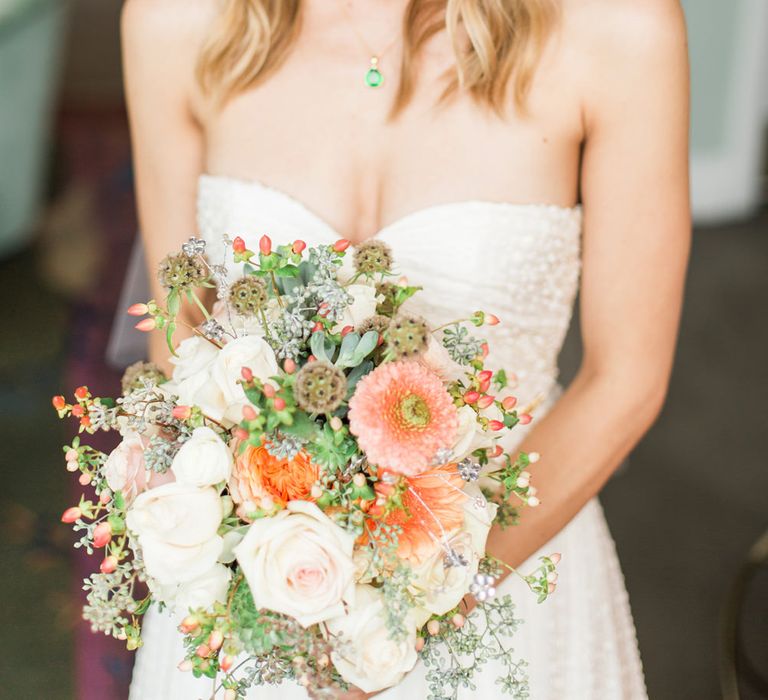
x,y
126,471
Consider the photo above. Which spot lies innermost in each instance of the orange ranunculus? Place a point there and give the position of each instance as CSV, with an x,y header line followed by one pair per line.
x,y
257,474
434,507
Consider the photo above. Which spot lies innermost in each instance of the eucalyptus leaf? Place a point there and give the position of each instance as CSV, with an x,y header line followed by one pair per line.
x,y
317,345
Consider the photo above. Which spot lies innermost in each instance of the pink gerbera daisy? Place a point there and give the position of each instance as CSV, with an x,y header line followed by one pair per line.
x,y
402,415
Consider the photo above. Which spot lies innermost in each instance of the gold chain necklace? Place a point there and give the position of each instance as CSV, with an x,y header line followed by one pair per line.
x,y
373,76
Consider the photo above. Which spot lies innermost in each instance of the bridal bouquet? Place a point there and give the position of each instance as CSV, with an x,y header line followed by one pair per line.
x,y
311,491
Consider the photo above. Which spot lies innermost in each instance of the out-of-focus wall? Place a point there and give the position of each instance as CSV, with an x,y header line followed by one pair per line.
x,y
92,75
729,101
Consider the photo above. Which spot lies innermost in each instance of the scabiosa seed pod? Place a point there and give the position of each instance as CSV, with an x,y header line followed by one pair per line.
x,y
135,375
388,292
376,323
407,336
320,387
248,295
372,257
181,272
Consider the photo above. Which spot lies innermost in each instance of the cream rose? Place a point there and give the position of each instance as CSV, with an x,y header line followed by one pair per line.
x,y
249,351
443,587
366,656
436,358
363,306
470,435
204,591
192,382
176,528
299,563
203,460
126,471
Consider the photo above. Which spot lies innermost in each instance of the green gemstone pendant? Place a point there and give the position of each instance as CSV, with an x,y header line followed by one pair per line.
x,y
374,78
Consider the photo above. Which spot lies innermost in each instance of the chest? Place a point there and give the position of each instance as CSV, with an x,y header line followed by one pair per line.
x,y
316,131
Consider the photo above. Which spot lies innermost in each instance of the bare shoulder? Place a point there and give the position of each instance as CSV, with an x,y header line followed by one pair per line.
x,y
171,29
625,48
624,25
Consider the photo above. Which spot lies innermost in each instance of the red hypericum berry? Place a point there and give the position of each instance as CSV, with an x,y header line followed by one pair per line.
x,y
495,425
146,325
238,245
265,245
311,358
485,401
105,497
317,327
215,640
298,247
341,245
249,413
525,418
108,565
497,451
84,479
78,411
471,397
347,330
102,534
485,350
269,390
289,366
485,376
189,624
279,403
246,374
203,651
81,393
138,310
484,386
225,662
509,403
240,433
85,421
58,402
71,514
492,320
181,412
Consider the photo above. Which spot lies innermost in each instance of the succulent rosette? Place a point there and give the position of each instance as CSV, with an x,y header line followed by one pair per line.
x,y
302,492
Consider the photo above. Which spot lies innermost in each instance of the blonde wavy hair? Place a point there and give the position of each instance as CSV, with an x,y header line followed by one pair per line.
x,y
494,41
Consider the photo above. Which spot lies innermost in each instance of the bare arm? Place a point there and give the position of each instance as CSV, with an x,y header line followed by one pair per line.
x,y
636,239
160,43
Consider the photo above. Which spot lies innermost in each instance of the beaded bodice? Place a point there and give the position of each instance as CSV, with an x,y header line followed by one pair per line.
x,y
518,261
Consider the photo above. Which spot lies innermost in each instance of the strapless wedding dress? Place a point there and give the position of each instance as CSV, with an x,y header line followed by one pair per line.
x,y
522,262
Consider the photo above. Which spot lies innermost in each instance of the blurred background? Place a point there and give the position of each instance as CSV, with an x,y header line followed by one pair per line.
x,y
688,510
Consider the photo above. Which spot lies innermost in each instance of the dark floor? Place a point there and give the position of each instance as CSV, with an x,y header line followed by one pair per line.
x,y
684,513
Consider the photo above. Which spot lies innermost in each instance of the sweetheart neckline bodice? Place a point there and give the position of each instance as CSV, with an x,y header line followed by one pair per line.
x,y
209,180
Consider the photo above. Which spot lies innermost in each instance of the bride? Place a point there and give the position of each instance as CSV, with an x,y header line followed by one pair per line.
x,y
539,142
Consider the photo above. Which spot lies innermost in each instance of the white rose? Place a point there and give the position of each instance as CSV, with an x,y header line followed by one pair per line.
x,y
436,358
194,355
249,351
443,587
479,514
367,657
203,591
203,460
299,563
470,435
363,306
176,528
